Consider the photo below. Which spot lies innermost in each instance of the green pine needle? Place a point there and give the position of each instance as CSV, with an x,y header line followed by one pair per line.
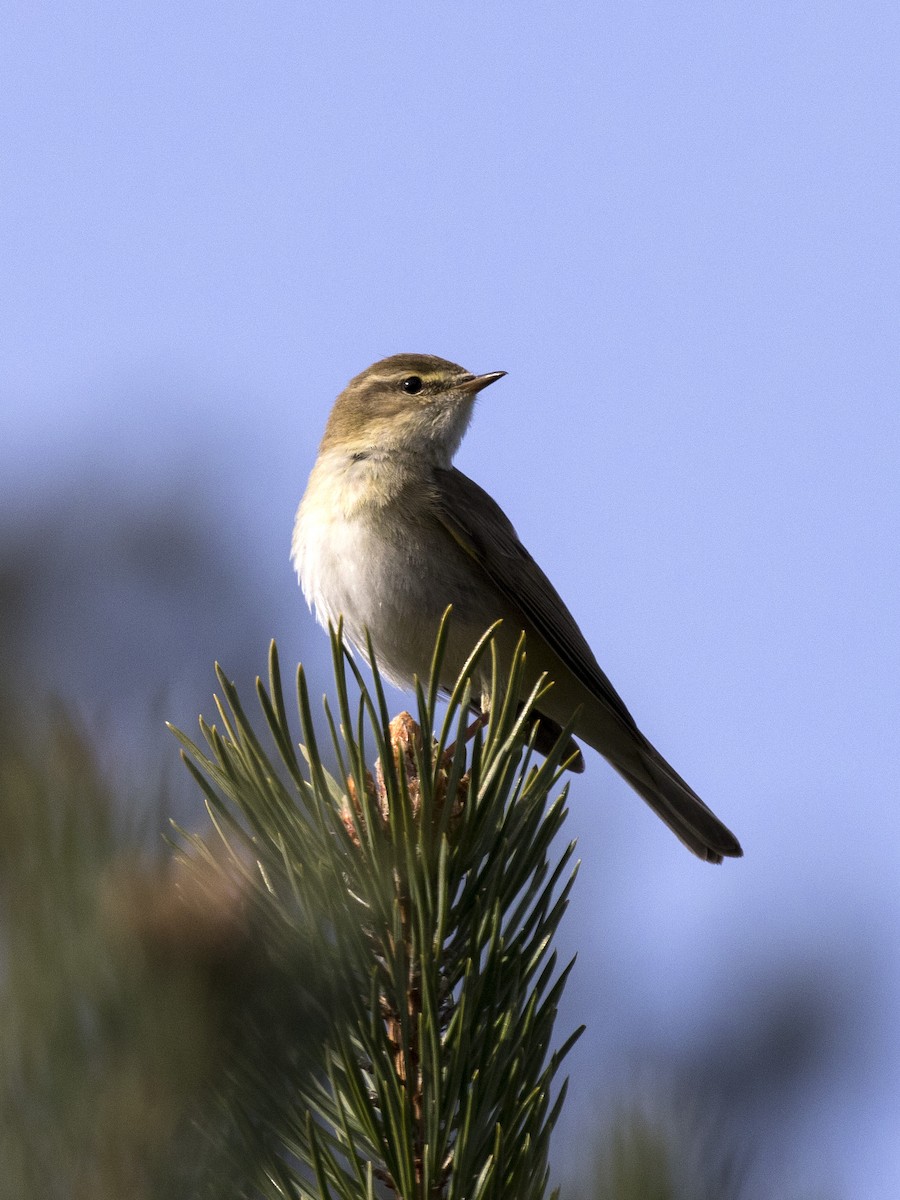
x,y
425,890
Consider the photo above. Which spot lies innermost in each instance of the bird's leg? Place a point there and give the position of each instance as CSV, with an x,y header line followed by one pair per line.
x,y
479,723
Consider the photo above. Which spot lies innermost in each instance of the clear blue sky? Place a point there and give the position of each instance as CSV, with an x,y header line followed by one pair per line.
x,y
676,227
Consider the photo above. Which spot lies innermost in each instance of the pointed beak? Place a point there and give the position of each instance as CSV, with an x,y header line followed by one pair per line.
x,y
475,383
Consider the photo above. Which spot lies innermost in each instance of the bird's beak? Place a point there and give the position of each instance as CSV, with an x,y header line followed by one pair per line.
x,y
475,383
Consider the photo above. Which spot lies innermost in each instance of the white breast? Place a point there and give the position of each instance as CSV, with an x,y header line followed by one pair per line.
x,y
363,564
365,555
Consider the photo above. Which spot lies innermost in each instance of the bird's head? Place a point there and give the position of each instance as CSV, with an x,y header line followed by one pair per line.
x,y
408,404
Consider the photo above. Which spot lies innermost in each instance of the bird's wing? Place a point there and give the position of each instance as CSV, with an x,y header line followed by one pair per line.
x,y
482,529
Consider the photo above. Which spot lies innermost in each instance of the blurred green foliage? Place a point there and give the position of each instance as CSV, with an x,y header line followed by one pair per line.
x,y
134,990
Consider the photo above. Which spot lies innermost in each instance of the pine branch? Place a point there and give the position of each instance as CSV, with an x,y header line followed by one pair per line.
x,y
425,895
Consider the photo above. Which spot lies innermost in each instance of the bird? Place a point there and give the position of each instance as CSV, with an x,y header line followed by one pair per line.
x,y
389,534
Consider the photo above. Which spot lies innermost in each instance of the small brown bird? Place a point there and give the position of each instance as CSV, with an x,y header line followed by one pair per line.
x,y
389,533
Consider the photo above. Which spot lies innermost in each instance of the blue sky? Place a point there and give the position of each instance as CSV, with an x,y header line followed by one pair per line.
x,y
676,227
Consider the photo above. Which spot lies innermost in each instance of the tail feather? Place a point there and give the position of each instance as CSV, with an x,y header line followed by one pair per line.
x,y
638,762
679,806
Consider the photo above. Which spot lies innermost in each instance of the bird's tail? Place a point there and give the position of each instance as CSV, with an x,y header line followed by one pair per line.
x,y
678,805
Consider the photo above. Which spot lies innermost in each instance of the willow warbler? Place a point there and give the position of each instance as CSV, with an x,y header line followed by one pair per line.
x,y
389,533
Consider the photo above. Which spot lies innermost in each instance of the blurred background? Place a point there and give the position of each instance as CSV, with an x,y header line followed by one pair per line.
x,y
675,226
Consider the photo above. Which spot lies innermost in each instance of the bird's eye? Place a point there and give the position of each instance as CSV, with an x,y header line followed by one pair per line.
x,y
412,385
